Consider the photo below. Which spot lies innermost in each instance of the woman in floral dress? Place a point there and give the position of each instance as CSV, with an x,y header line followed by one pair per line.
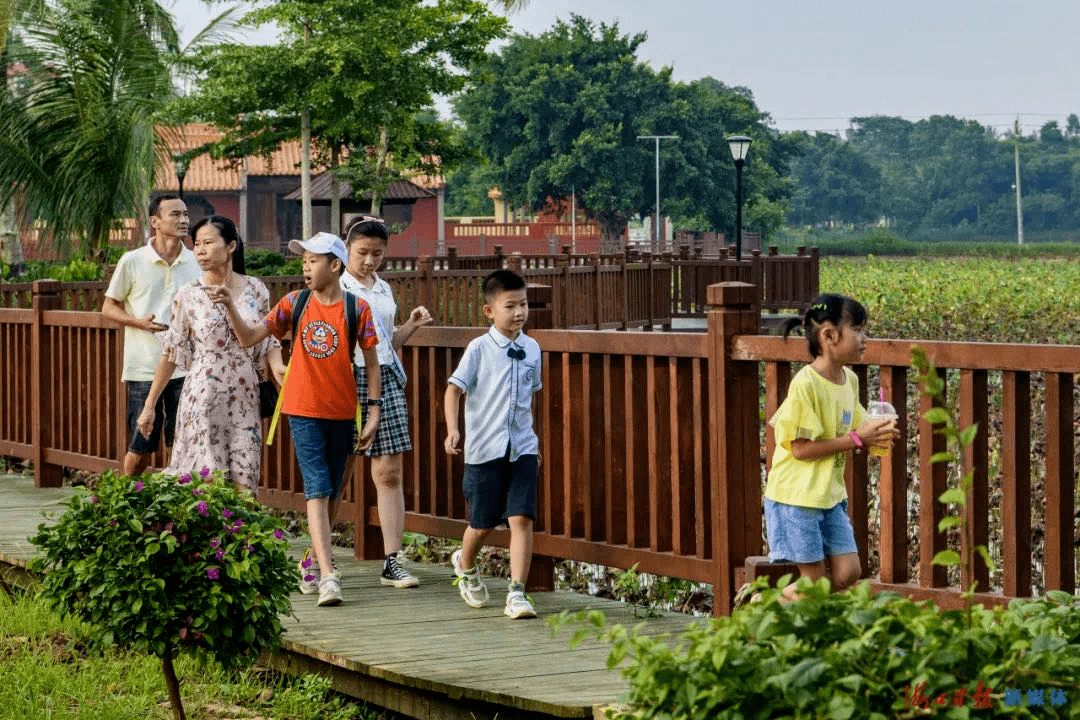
x,y
218,424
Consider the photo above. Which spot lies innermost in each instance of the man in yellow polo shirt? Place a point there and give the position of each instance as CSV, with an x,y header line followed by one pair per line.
x,y
140,298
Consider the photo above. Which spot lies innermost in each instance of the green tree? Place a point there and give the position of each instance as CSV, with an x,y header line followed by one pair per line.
x,y
363,70
561,112
836,181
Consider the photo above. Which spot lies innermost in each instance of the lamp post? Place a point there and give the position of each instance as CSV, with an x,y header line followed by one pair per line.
x,y
657,138
740,145
180,164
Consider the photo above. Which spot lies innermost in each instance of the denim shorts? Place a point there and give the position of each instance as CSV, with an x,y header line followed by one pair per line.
x,y
500,489
322,447
806,535
164,414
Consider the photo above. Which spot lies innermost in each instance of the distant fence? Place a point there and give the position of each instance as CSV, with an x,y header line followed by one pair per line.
x,y
651,444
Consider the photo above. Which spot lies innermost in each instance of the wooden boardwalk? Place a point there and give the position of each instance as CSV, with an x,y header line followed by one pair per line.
x,y
420,652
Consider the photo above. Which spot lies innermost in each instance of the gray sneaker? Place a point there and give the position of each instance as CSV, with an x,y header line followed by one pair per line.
x,y
330,590
518,605
309,574
473,590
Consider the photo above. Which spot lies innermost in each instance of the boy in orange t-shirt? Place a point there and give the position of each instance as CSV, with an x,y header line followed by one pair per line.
x,y
320,395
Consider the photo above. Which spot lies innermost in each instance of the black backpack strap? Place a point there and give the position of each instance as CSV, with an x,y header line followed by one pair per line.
x,y
299,305
351,322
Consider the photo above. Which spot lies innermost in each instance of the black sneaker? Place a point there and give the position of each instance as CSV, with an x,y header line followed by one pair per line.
x,y
395,575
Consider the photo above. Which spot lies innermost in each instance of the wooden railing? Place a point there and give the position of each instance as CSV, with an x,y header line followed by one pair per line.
x,y
651,444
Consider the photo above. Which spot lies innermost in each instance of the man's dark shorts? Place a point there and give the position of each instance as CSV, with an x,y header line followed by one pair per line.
x,y
500,489
164,415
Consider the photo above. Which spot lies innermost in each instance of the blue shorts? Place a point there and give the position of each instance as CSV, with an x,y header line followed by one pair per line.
x,y
322,447
805,535
164,414
501,489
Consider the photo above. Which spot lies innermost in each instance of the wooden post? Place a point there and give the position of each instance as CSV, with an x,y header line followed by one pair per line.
x,y
624,295
367,537
499,257
594,258
451,258
426,292
514,264
46,297
541,316
560,301
735,473
757,278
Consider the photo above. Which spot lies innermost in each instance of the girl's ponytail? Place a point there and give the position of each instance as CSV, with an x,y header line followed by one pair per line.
x,y
826,308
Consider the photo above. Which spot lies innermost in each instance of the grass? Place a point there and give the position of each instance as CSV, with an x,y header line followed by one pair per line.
x,y
46,673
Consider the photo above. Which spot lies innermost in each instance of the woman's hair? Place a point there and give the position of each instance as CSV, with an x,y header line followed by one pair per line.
x,y
370,226
228,231
836,309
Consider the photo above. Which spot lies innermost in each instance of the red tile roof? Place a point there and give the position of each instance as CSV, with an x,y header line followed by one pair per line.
x,y
397,190
208,175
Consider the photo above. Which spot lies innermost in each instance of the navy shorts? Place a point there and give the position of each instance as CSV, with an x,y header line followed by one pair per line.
x,y
805,535
164,415
500,489
322,447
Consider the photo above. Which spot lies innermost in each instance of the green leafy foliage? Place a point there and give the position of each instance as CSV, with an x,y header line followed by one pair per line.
x,y
978,299
161,564
262,263
844,655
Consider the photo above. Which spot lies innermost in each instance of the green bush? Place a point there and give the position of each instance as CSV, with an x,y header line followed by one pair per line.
x,y
260,263
852,655
161,564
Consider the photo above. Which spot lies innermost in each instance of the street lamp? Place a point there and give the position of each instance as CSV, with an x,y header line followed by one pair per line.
x,y
657,138
740,145
180,164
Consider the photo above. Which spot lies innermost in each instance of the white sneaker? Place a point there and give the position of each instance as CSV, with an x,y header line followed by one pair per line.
x,y
473,590
309,574
518,605
330,590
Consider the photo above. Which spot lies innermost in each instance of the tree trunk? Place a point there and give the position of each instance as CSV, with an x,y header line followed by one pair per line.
x,y
305,165
335,195
612,224
172,683
10,242
380,162
305,174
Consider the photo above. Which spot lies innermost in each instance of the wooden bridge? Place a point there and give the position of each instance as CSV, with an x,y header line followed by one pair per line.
x,y
654,446
420,652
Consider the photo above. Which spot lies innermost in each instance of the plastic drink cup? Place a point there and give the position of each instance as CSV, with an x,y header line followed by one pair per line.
x,y
881,410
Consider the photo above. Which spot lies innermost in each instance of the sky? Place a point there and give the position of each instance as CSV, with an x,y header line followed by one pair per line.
x,y
814,65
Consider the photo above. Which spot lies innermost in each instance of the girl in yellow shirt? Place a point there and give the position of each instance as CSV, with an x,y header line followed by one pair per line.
x,y
819,421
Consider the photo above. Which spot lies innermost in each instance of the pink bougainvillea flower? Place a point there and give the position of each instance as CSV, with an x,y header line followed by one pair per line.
x,y
112,523
215,543
226,513
184,479
249,548
309,578
219,554
306,563
183,633
139,486
279,535
213,573
205,472
203,509
94,500
238,524
168,527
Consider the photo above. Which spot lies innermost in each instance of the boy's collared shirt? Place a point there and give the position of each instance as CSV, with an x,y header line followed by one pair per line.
x,y
498,396
145,284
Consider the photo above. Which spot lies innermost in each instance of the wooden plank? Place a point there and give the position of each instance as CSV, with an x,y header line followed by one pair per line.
x,y
962,356
932,477
1016,483
1060,483
974,410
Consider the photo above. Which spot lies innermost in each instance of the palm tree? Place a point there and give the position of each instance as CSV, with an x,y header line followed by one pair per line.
x,y
77,131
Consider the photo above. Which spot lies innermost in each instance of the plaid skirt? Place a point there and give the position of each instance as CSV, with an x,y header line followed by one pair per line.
x,y
392,436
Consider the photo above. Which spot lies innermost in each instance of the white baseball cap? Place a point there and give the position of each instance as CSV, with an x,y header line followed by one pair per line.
x,y
322,243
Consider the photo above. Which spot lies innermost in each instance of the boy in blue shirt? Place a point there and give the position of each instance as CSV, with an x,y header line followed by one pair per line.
x,y
498,374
